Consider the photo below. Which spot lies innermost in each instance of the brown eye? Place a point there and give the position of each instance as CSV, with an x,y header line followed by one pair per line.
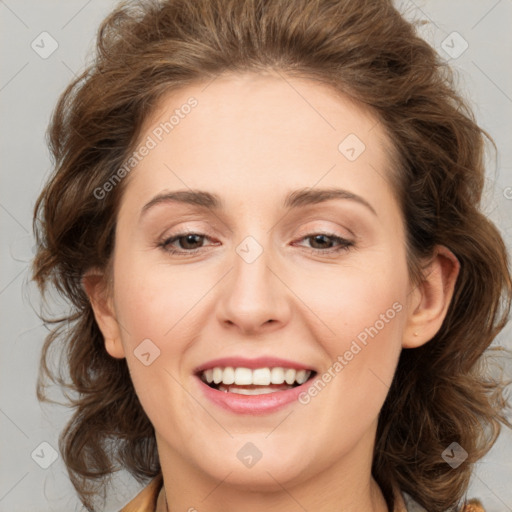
x,y
326,243
321,241
190,241
184,243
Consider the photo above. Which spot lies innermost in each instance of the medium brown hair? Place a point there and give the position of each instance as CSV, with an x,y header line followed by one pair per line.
x,y
442,392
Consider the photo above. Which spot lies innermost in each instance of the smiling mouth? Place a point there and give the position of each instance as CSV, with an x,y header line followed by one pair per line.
x,y
258,381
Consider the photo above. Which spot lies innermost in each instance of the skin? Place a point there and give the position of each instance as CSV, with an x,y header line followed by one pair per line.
x,y
252,139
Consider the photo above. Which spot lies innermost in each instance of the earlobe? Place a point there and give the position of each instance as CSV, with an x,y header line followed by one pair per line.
x,y
429,301
114,347
95,286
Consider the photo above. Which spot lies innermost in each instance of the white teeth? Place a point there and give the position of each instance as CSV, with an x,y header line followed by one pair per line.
x,y
243,376
259,376
208,375
217,375
228,377
244,391
277,375
289,376
301,376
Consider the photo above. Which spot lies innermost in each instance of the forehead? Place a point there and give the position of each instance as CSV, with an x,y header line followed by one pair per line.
x,y
266,130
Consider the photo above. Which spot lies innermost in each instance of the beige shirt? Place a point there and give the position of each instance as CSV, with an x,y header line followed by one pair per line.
x,y
152,499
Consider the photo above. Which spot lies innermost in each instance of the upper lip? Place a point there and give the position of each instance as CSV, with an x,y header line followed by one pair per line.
x,y
258,362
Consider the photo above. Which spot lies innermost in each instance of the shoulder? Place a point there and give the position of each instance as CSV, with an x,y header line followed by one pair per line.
x,y
151,497
409,505
146,500
473,506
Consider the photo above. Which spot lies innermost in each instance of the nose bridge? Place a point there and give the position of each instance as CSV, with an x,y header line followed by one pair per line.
x,y
253,294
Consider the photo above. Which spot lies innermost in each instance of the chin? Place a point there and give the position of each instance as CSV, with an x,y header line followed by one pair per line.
x,y
263,469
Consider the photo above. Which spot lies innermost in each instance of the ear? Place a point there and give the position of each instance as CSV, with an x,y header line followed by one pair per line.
x,y
95,285
428,303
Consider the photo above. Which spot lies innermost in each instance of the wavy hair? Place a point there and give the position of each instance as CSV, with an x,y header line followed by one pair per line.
x,y
443,391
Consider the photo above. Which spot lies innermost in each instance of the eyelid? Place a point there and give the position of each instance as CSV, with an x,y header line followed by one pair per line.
x,y
164,241
344,244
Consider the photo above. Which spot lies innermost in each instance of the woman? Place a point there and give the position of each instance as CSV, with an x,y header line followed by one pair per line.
x,y
265,215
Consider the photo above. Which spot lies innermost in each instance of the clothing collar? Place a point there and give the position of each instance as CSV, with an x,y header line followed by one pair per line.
x,y
152,499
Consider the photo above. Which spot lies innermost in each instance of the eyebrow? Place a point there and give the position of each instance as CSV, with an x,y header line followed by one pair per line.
x,y
295,199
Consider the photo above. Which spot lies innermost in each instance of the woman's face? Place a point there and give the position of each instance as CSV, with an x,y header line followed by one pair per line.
x,y
277,274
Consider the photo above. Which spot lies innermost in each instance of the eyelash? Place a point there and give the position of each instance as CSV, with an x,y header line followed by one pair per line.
x,y
344,244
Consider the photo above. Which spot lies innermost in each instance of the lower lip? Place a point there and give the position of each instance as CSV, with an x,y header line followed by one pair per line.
x,y
253,404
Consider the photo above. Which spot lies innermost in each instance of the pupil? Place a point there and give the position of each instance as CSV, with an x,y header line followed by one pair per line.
x,y
320,239
189,239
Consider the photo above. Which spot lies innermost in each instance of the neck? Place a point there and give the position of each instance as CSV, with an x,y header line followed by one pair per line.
x,y
345,486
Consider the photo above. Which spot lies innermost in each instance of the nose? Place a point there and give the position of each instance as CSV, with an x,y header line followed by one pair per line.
x,y
254,298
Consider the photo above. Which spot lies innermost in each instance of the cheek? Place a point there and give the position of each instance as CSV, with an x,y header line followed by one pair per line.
x,y
348,301
152,299
154,306
361,314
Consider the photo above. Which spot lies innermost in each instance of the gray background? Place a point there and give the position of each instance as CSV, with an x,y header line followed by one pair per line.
x,y
29,88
